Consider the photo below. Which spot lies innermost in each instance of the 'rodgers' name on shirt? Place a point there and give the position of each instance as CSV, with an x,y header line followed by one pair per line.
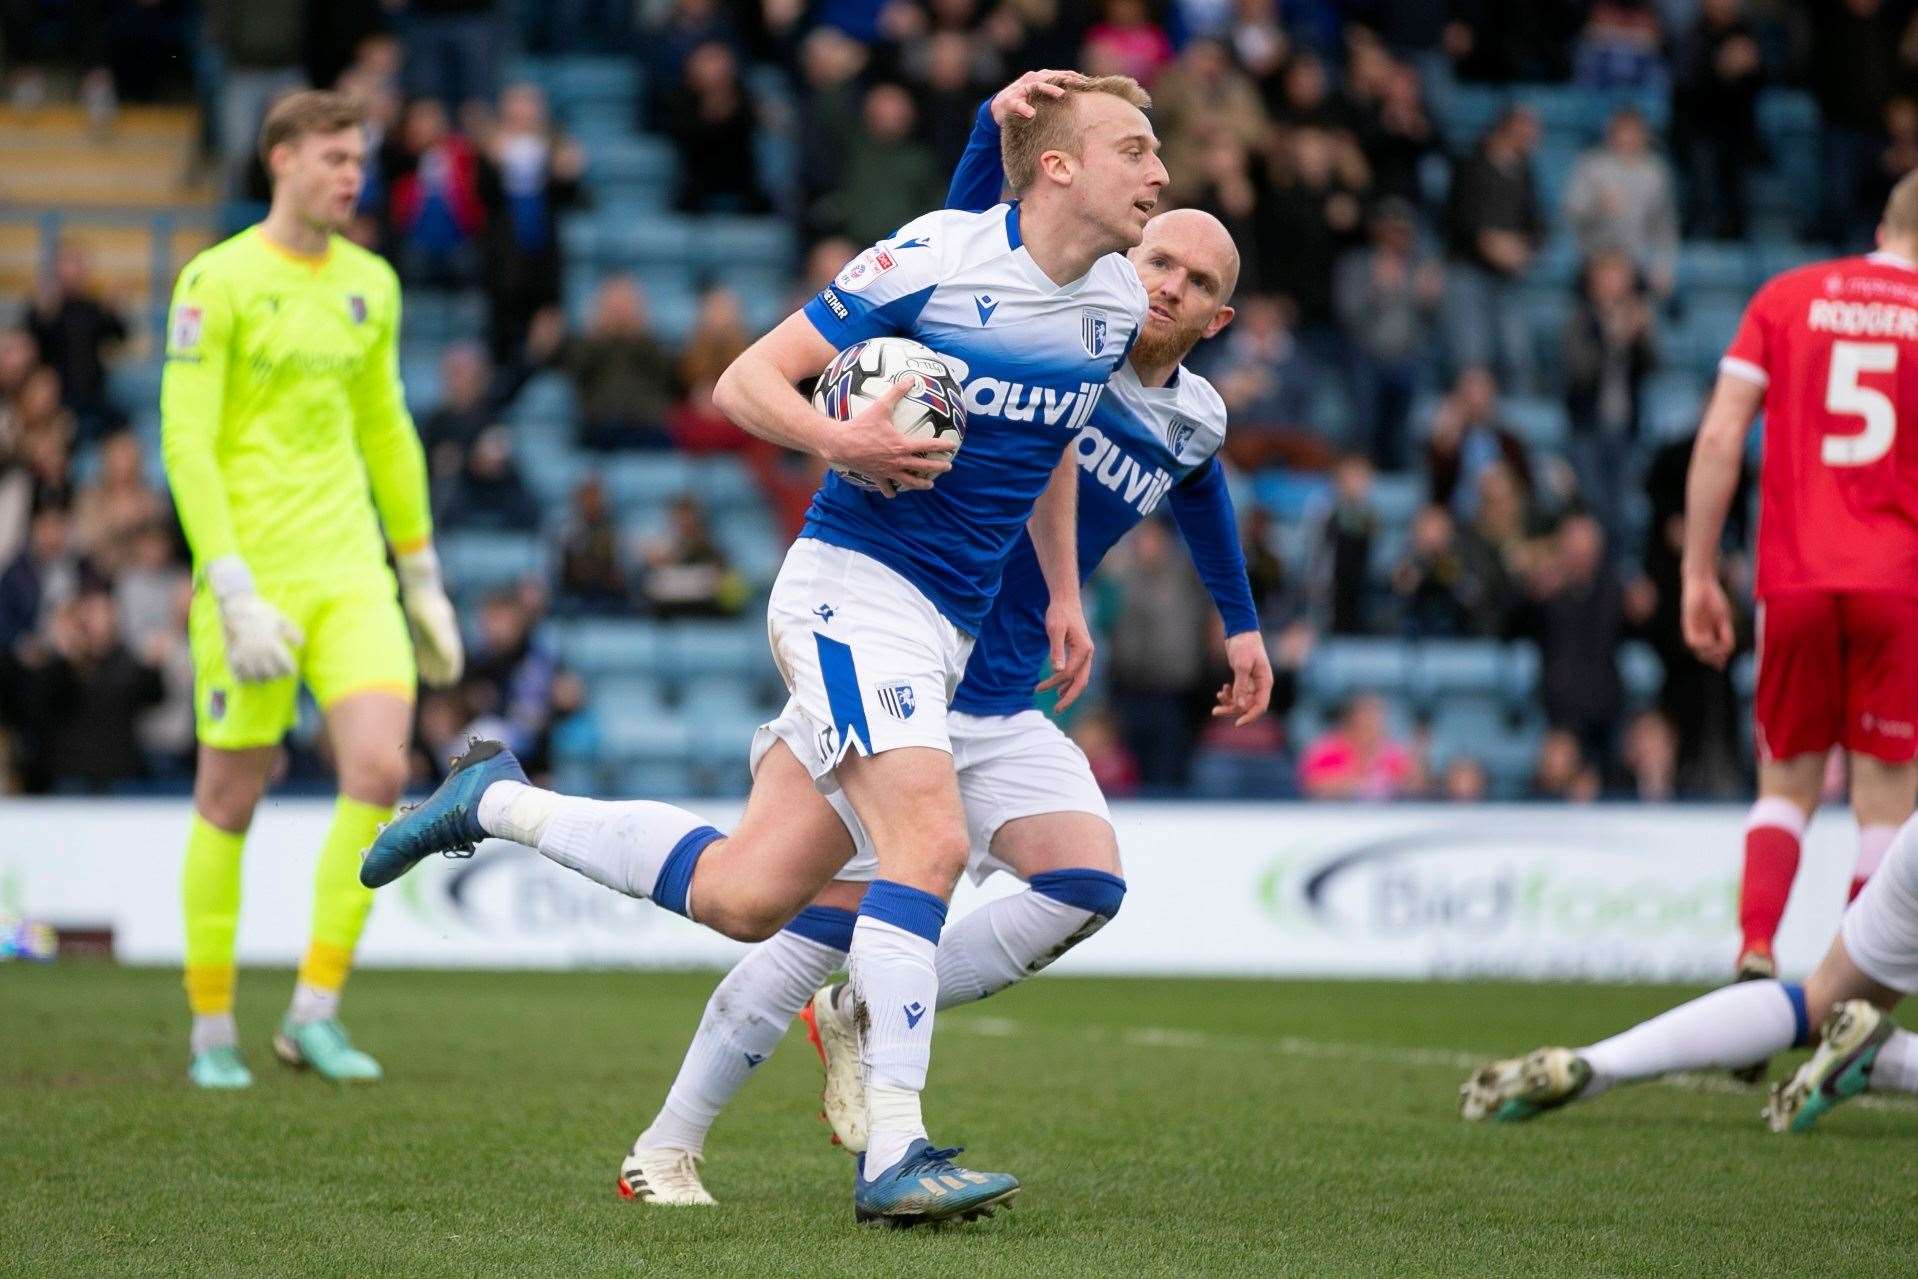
x,y
1863,319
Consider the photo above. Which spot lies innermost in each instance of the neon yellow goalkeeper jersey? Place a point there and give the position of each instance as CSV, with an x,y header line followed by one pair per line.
x,y
280,407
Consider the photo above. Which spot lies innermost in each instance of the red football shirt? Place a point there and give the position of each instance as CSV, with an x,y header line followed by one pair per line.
x,y
1835,345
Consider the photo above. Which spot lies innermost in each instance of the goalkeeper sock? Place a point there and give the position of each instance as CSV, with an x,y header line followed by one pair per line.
x,y
1873,843
1010,938
340,904
894,988
744,1021
1772,834
638,847
210,893
213,1030
1896,1069
1730,1028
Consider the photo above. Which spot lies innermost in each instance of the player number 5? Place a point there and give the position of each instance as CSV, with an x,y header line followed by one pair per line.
x,y
1844,395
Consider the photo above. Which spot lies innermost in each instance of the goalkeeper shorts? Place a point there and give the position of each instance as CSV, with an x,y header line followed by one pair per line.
x,y
356,642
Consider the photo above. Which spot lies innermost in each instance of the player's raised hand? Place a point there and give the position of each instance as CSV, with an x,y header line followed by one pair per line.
x,y
1016,98
1706,615
260,641
1250,692
869,443
1071,641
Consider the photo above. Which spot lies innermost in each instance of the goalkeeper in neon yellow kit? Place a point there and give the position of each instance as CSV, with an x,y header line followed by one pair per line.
x,y
284,432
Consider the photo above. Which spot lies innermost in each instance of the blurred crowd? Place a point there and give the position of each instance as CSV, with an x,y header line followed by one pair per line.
x,y
1383,335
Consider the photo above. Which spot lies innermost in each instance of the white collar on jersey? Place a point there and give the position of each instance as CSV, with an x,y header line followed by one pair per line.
x,y
1892,259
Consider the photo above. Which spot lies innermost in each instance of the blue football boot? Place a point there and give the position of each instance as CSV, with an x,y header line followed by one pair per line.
x,y
1841,1068
447,821
926,1186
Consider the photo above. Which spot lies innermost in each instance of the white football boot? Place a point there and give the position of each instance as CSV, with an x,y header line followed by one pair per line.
x,y
663,1175
835,1037
1520,1087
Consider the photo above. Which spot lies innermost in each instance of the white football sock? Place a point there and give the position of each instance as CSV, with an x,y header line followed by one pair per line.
x,y
1896,1069
214,1030
1729,1028
310,1003
744,1021
894,981
622,844
516,811
1006,940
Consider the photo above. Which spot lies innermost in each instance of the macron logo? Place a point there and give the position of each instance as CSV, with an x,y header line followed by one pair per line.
x,y
753,1059
919,243
1017,402
914,1012
986,306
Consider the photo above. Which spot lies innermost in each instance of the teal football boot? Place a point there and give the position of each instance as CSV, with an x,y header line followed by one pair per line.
x,y
1841,1068
1519,1088
926,1186
447,821
219,1068
322,1047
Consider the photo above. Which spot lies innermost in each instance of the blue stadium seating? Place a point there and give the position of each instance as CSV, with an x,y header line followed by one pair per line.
x,y
476,561
1641,670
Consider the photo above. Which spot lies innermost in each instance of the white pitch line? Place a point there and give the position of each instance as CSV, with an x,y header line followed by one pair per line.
x,y
1293,1046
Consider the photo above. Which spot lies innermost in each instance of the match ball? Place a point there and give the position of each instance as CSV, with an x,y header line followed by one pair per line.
x,y
861,373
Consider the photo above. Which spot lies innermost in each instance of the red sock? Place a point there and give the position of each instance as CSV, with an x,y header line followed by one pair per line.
x,y
1873,843
1771,862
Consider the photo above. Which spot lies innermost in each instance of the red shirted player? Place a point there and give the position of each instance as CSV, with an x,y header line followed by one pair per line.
x,y
1830,353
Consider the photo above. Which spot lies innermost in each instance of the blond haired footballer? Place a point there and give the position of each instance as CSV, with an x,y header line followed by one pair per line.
x,y
289,450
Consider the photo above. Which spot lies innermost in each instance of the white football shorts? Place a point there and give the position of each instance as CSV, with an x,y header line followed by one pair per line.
x,y
870,662
1009,766
1881,928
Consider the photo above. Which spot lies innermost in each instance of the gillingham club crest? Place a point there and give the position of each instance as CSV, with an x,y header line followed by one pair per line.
x,y
1092,330
356,307
897,699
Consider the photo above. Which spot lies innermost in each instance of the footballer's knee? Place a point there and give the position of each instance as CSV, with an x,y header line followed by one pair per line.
x,y
228,784
1099,893
752,914
376,778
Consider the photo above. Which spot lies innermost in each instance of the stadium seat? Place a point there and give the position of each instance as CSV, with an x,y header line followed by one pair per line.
x,y
629,694
1641,670
1397,498
1236,775
1539,421
1342,666
1289,495
1446,670
1674,399
642,733
644,479
724,241
608,644
477,561
1518,673
1710,265
726,650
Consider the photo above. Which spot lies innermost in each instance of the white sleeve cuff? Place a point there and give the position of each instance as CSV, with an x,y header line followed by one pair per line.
x,y
1744,371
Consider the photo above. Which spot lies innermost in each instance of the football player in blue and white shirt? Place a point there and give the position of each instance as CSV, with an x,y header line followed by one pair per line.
x,y
874,612
1032,806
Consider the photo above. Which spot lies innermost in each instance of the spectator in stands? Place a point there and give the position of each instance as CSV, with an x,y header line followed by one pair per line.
x,y
1385,297
490,492
1608,355
890,177
1650,757
1278,604
1856,67
1439,595
1501,41
621,373
147,585
1358,758
1397,134
719,335
829,104
1342,574
1493,229
1299,95
1563,775
696,426
1126,41
528,177
1197,99
1899,154
687,573
1467,437
1621,198
165,729
1464,781
592,569
1312,210
259,43
675,32
19,357
712,120
121,500
1719,70
945,69
434,208
77,333
1502,544
82,693
1157,642
1113,765
1268,385
509,677
466,408
1621,47
452,50
42,577
1578,617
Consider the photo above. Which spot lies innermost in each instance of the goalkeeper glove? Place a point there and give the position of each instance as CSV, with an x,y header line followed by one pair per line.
x,y
436,630
259,639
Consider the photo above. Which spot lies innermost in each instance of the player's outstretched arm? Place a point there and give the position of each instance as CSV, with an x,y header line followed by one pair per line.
x,y
758,392
396,470
259,641
1202,508
1717,458
1054,527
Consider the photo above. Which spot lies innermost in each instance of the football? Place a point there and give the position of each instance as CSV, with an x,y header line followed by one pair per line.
x,y
860,374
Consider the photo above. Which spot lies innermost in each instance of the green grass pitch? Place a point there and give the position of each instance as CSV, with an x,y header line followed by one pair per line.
x,y
1161,1128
